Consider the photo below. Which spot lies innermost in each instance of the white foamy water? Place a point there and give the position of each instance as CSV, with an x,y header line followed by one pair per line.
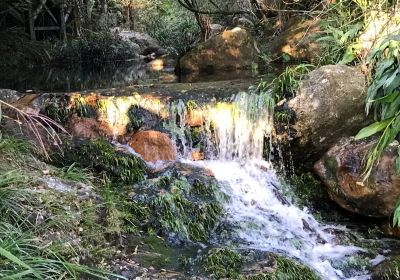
x,y
259,216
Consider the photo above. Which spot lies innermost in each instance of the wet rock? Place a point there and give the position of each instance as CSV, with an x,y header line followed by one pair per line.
x,y
28,104
81,190
230,50
84,127
298,41
153,146
216,29
195,118
388,269
197,155
329,105
9,95
341,170
390,231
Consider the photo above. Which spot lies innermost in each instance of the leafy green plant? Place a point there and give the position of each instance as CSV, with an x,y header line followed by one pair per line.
x,y
339,31
383,97
93,48
287,83
172,25
176,211
14,147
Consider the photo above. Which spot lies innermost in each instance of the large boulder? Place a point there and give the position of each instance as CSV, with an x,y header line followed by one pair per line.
x,y
232,49
153,146
144,42
298,41
329,105
341,169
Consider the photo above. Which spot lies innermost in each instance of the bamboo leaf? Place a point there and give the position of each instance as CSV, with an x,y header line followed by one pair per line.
x,y
396,215
372,129
398,164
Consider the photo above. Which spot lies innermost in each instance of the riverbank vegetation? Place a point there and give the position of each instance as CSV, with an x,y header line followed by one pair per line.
x,y
89,209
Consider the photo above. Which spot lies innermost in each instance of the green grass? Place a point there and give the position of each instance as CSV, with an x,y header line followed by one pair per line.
x,y
74,173
14,197
23,257
13,148
25,252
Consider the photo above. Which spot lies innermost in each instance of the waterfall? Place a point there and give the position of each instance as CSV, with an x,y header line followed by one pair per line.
x,y
241,126
258,215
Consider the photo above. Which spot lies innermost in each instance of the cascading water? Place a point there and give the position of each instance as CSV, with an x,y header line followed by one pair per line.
x,y
257,214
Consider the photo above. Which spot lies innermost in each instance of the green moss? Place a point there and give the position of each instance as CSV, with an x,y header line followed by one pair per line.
x,y
196,136
101,157
191,105
187,210
176,212
223,263
57,109
287,269
331,164
135,122
305,188
388,270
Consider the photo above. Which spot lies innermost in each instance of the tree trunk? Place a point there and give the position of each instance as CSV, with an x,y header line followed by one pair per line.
x,y
78,18
31,23
63,30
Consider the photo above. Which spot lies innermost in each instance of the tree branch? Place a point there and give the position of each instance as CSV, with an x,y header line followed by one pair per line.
x,y
198,11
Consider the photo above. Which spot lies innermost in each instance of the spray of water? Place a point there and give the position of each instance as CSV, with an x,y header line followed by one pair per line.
x,y
259,216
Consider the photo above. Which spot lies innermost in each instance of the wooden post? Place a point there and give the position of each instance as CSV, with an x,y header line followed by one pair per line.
x,y
63,29
31,23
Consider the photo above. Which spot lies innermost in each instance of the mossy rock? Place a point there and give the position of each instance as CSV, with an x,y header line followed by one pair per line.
x,y
101,157
305,189
387,270
182,207
223,263
287,269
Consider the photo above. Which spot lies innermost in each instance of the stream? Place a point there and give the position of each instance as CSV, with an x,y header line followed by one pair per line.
x,y
258,216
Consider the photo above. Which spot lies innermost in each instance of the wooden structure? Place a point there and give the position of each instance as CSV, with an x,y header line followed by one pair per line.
x,y
58,20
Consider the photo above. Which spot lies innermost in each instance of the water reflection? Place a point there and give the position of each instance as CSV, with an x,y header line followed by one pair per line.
x,y
76,77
